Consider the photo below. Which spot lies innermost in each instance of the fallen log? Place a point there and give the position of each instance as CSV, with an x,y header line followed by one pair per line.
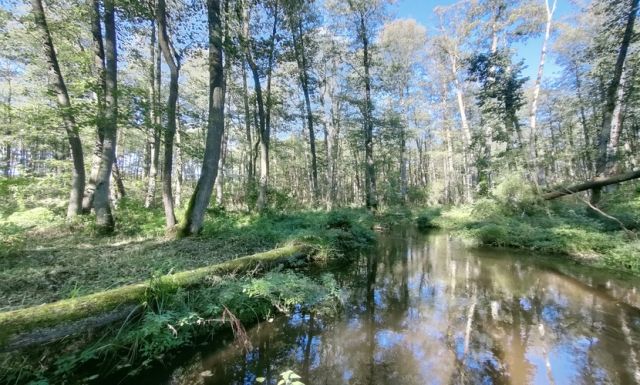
x,y
594,183
40,324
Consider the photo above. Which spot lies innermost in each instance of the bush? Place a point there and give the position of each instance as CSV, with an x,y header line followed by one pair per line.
x,y
425,220
559,227
516,194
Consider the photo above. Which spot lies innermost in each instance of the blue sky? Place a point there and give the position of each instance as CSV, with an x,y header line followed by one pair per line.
x,y
422,11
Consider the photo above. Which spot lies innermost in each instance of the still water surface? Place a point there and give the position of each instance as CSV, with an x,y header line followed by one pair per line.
x,y
423,309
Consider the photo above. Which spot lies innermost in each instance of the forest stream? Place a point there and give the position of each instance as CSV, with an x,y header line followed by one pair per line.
x,y
425,309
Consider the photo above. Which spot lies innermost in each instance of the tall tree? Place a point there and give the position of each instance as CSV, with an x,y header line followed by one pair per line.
x,y
155,77
99,70
173,62
64,102
101,202
452,33
264,103
550,9
402,42
364,12
196,209
296,12
607,149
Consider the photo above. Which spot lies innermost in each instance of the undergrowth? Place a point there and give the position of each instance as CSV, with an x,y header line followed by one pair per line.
x,y
171,319
44,259
44,263
512,216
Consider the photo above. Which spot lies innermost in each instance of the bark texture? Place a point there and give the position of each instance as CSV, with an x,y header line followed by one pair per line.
x,y
102,205
194,217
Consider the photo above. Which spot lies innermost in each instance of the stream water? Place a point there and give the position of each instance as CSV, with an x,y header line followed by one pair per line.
x,y
423,309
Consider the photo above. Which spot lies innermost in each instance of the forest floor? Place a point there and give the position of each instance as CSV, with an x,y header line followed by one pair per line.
x,y
562,227
45,262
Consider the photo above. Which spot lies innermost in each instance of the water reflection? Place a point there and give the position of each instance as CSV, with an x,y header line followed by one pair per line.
x,y
424,310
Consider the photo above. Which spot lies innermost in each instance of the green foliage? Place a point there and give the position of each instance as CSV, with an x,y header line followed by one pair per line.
x,y
289,377
425,219
174,319
12,239
26,193
516,194
66,261
134,219
30,218
511,217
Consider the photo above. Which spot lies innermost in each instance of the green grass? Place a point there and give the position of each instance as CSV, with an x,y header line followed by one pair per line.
x,y
42,263
172,319
176,282
565,227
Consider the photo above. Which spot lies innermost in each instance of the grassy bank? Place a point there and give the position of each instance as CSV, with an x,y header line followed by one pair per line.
x,y
513,217
164,293
45,260
177,287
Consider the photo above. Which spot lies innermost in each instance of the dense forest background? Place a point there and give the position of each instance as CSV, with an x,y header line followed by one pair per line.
x,y
324,103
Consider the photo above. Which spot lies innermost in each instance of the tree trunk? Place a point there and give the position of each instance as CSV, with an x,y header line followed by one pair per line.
x,y
263,115
370,172
155,72
179,160
583,120
616,128
247,127
7,148
264,147
170,131
595,183
7,160
196,209
98,49
104,218
332,127
265,137
301,59
117,178
78,176
603,162
466,132
536,93
219,183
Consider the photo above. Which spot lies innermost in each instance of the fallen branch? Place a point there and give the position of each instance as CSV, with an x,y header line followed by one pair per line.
x,y
594,183
599,211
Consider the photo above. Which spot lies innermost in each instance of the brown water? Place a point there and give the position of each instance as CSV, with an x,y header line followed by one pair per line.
x,y
422,309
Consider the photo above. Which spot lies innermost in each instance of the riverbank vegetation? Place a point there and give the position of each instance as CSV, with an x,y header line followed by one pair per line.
x,y
146,299
45,259
513,216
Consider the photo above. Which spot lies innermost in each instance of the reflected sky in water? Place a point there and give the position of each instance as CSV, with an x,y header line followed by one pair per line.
x,y
422,309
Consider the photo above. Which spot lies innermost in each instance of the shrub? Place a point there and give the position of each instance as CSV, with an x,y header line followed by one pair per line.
x,y
516,194
492,234
425,220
